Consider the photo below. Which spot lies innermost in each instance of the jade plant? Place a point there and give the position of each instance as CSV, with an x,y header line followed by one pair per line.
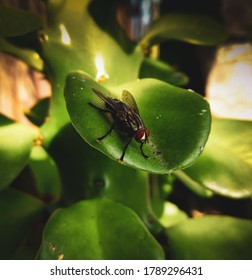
x,y
66,196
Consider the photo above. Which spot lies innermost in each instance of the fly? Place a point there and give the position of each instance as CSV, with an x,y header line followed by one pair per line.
x,y
127,120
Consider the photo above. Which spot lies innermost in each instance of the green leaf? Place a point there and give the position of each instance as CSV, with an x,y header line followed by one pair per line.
x,y
17,22
193,185
158,69
18,212
87,173
39,112
46,174
172,215
74,40
228,153
159,189
211,238
30,57
15,145
108,22
97,229
179,121
192,28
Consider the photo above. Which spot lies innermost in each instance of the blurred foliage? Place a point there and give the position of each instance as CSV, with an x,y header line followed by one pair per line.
x,y
65,196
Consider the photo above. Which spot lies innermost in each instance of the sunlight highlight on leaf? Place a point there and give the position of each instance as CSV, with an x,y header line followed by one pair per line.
x,y
101,75
65,38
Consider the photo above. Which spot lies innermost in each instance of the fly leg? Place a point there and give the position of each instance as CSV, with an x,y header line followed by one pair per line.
x,y
99,139
106,134
124,150
141,148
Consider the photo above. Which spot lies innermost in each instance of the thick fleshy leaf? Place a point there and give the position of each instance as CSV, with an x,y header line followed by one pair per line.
x,y
172,215
74,40
178,119
192,28
211,238
17,22
39,112
18,212
30,57
15,145
87,173
46,174
160,187
108,21
97,229
225,167
158,69
193,185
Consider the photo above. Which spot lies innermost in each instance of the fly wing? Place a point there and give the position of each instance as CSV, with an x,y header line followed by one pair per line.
x,y
101,95
129,100
108,100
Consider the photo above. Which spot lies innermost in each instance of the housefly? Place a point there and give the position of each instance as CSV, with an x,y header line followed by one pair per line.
x,y
127,120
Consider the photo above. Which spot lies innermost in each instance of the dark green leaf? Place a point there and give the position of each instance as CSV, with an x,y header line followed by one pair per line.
x,y
15,145
179,121
45,172
97,229
225,167
17,22
18,212
158,69
39,112
192,28
211,238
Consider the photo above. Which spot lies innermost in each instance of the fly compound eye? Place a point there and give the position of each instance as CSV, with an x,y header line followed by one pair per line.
x,y
142,135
